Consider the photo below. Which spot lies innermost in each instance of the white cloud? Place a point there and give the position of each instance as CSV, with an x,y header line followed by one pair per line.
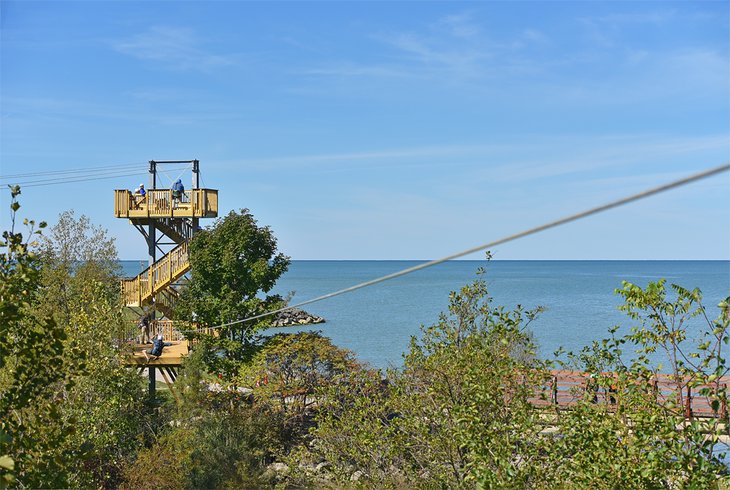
x,y
648,17
606,152
174,47
461,25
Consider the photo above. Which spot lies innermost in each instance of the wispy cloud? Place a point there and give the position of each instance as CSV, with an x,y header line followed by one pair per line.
x,y
59,110
608,30
452,48
607,152
647,17
390,158
174,47
350,69
454,45
533,157
461,25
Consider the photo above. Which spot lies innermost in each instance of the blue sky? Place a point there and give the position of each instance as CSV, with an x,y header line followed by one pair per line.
x,y
383,130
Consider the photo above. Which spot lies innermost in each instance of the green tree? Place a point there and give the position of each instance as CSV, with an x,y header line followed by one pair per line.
x,y
641,438
81,291
70,410
457,414
220,437
76,256
233,264
32,425
289,370
467,408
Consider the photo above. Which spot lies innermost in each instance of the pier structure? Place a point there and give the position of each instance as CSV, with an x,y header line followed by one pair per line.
x,y
167,222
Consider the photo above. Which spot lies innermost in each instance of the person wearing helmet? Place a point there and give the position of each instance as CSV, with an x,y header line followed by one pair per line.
x,y
177,191
156,351
138,196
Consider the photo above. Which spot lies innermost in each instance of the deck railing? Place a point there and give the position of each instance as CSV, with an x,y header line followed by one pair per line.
x,y
564,389
168,329
159,203
139,290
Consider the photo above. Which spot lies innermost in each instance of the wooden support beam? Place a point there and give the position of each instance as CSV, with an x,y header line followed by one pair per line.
x,y
171,372
169,386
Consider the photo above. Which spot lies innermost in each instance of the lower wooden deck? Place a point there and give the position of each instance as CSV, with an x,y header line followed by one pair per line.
x,y
172,355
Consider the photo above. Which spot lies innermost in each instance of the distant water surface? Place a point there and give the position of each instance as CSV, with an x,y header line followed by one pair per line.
x,y
377,322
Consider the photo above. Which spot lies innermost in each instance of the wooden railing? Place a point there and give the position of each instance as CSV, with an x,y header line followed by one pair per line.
x,y
563,389
159,203
168,329
139,290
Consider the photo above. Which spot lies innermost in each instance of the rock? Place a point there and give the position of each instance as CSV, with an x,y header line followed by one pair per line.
x,y
356,476
279,468
295,317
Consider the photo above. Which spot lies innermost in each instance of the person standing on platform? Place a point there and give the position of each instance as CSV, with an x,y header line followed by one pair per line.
x,y
144,327
139,196
177,191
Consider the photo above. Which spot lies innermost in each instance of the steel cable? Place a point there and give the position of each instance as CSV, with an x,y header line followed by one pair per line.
x,y
531,231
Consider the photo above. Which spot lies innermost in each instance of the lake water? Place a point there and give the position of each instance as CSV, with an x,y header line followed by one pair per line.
x,y
377,322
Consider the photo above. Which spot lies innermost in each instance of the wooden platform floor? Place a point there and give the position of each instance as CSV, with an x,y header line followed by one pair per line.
x,y
172,355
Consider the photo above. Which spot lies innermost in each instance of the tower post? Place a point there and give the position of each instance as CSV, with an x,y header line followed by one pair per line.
x,y
153,381
196,185
151,238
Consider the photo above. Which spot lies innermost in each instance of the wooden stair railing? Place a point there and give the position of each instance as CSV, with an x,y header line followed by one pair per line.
x,y
165,301
140,290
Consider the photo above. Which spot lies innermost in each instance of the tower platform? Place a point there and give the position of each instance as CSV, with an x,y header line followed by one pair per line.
x,y
159,203
172,355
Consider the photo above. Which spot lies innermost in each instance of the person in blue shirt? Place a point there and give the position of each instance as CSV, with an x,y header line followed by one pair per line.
x,y
138,196
156,351
177,190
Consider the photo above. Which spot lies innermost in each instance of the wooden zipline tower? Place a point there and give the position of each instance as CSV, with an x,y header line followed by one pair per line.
x,y
167,224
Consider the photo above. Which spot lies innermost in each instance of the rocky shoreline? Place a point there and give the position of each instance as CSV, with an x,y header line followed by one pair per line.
x,y
295,318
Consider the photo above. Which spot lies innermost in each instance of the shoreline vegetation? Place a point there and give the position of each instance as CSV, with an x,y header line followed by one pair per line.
x,y
293,410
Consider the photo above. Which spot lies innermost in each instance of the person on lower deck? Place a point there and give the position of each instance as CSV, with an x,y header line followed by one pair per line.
x,y
144,329
156,351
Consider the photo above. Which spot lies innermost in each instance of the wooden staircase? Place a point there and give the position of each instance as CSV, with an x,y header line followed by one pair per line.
x,y
179,230
177,220
157,280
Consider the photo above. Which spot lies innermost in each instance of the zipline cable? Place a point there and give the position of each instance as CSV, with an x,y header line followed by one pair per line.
x,y
88,171
74,178
73,170
84,179
531,231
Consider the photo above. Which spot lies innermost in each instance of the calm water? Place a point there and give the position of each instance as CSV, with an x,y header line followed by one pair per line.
x,y
377,322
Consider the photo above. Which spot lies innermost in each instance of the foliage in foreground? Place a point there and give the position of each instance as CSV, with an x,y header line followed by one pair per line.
x,y
465,410
70,413
468,408
644,439
227,436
